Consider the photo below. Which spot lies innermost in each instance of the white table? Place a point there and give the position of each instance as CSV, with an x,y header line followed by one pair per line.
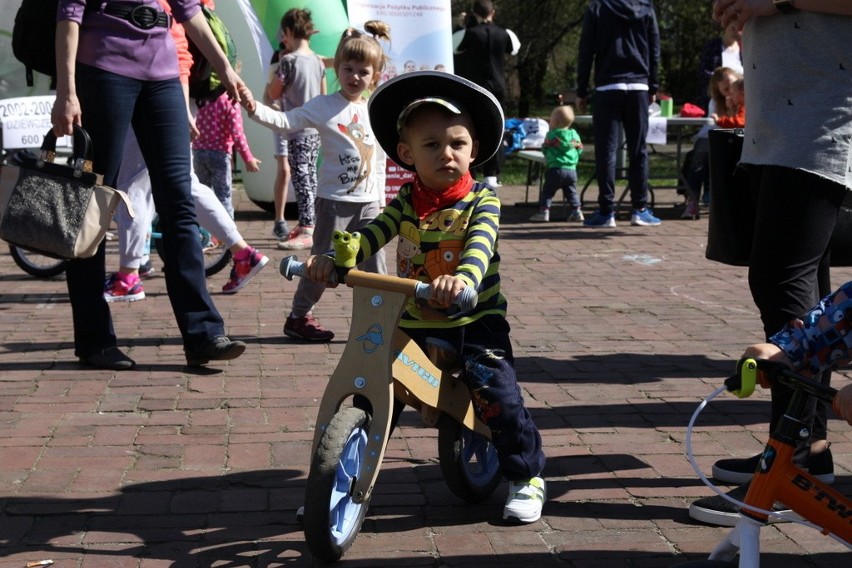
x,y
676,125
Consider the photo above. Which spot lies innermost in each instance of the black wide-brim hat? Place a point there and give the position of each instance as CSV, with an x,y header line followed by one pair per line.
x,y
405,92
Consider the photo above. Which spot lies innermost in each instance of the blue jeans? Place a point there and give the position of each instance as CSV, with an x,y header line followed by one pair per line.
x,y
111,103
612,110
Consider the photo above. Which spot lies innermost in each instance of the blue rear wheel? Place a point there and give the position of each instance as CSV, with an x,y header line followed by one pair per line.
x,y
468,461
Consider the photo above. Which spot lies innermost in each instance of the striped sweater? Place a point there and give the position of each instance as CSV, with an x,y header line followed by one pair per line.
x,y
460,240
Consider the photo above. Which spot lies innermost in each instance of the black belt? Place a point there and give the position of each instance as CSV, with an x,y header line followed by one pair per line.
x,y
141,16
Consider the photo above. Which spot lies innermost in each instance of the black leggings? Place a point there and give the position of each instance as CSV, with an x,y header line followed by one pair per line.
x,y
796,212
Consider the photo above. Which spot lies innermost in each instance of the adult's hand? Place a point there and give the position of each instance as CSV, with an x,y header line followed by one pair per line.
x,y
740,11
581,105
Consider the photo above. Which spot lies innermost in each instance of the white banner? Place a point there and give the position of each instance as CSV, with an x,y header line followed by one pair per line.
x,y
421,32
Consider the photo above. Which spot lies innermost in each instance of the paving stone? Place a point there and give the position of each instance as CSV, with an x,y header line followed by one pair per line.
x,y
618,335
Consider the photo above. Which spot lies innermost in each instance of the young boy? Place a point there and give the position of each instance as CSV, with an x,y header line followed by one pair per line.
x,y
439,125
562,148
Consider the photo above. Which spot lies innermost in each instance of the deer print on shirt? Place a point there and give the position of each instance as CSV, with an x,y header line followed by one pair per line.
x,y
363,141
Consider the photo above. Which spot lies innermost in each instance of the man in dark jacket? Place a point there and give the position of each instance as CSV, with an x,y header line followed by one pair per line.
x,y
622,39
479,57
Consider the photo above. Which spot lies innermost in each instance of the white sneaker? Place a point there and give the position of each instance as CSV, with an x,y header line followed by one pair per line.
x,y
491,180
525,500
542,216
576,216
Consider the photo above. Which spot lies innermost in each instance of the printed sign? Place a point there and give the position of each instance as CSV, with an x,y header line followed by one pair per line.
x,y
656,130
25,121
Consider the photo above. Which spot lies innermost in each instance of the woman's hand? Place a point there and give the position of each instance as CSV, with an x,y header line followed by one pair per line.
x,y
740,11
65,114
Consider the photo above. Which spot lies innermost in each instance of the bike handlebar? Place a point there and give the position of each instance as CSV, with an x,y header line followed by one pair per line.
x,y
742,384
465,301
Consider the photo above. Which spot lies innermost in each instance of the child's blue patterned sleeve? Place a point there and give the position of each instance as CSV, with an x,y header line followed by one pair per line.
x,y
823,340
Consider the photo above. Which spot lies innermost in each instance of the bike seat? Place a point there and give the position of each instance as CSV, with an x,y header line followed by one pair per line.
x,y
443,355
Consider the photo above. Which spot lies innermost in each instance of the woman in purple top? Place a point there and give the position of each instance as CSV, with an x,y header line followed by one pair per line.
x,y
116,68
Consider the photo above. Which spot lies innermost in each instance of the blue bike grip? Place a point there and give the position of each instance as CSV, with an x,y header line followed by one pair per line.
x,y
290,267
465,301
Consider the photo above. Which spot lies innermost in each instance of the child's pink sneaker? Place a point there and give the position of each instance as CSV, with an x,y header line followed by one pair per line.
x,y
244,269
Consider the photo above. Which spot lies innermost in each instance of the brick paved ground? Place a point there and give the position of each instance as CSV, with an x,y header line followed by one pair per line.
x,y
618,334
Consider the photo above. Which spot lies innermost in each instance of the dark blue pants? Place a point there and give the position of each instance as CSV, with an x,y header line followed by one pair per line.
x,y
556,179
156,109
612,110
795,215
489,373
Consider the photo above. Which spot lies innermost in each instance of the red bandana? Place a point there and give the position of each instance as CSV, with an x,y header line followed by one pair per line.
x,y
427,200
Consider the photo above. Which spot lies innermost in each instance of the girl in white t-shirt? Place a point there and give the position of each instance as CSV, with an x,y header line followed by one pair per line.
x,y
352,175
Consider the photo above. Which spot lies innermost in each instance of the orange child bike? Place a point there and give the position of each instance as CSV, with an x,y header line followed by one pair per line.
x,y
777,478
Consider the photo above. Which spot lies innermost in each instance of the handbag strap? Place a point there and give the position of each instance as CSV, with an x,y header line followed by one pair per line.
x,y
81,152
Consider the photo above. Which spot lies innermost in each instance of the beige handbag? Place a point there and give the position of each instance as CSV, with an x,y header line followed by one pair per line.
x,y
57,210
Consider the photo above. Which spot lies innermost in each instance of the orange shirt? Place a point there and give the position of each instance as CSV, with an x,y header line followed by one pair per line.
x,y
736,121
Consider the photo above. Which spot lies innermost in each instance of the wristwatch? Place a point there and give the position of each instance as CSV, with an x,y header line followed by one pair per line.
x,y
785,6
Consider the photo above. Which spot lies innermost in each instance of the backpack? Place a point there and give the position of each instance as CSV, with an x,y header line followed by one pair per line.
x,y
204,83
34,36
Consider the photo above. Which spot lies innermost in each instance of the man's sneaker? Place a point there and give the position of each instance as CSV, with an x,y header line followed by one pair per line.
x,y
717,510
525,500
280,230
576,216
117,290
244,270
599,219
644,218
735,470
220,348
147,269
299,238
542,216
307,328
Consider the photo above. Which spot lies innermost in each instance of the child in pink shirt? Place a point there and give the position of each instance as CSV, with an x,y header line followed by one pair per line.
x,y
220,126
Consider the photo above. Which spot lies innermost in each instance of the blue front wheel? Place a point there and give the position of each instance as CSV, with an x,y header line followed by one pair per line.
x,y
332,519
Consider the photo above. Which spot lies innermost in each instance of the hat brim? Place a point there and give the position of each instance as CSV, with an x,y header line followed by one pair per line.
x,y
392,96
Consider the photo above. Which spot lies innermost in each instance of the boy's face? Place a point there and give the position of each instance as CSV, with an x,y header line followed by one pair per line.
x,y
439,145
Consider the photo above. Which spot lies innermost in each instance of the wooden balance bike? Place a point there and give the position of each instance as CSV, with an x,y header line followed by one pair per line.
x,y
777,478
381,365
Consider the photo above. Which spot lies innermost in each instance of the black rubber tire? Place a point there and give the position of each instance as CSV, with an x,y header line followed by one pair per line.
x,y
325,475
36,264
214,260
471,481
